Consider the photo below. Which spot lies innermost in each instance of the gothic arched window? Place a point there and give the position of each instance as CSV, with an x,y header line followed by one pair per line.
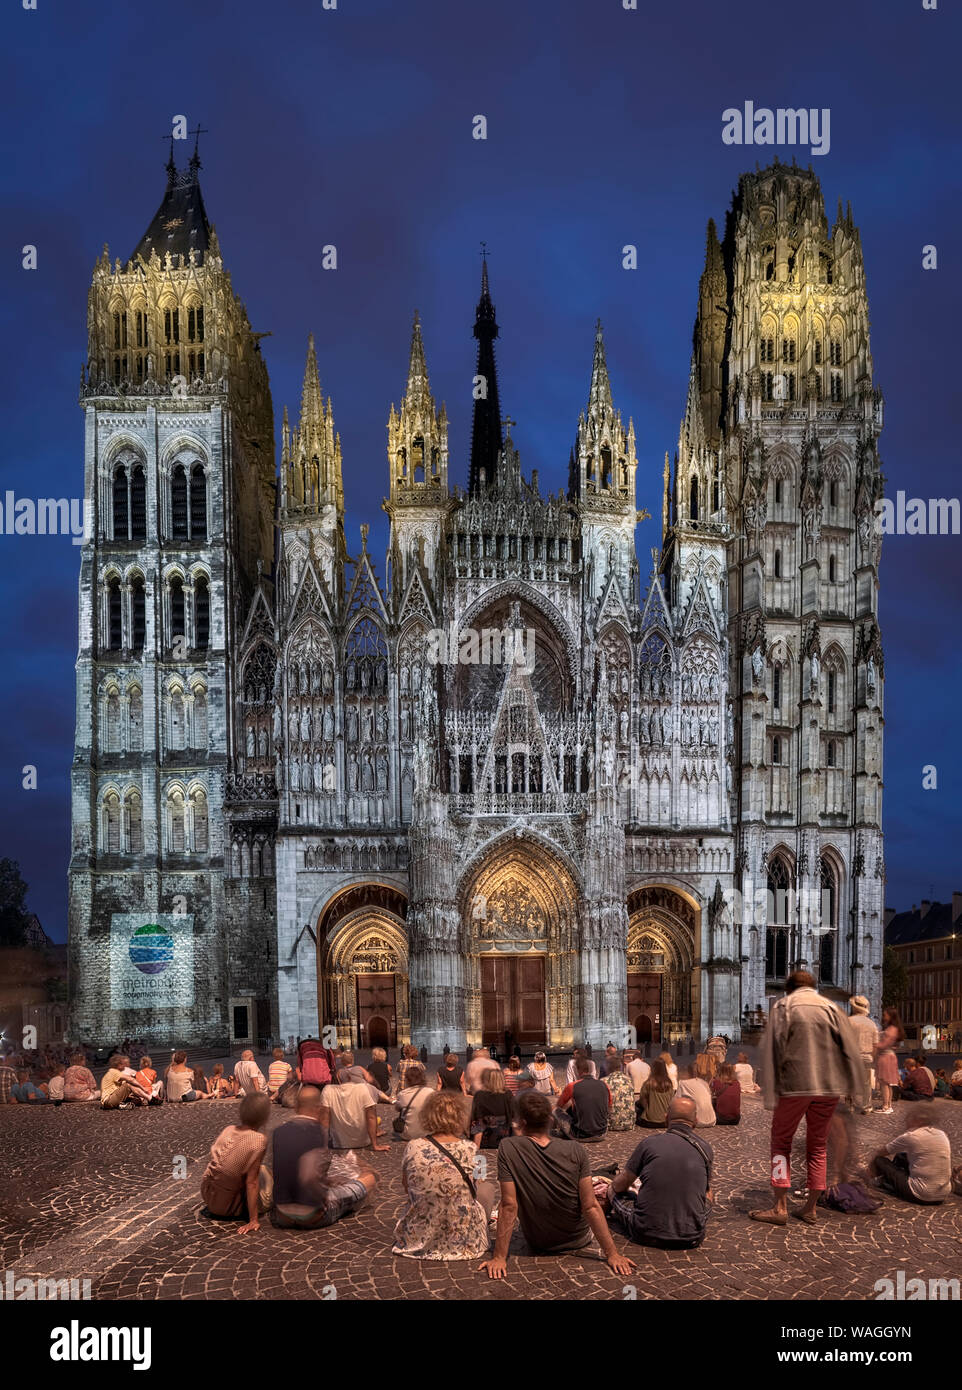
x,y
198,807
175,821
138,504
112,729
779,916
135,719
121,509
200,718
777,687
778,564
115,626
693,500
776,750
111,823
828,921
134,820
177,607
179,525
201,613
138,613
198,503
177,721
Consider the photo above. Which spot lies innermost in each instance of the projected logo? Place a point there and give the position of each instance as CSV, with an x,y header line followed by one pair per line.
x,y
151,949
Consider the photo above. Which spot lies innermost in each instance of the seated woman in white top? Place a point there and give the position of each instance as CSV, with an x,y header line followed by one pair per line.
x,y
745,1075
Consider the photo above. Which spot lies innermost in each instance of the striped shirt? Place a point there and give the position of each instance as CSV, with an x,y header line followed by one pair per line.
x,y
277,1074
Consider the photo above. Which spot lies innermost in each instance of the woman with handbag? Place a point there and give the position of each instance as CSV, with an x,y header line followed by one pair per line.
x,y
409,1103
446,1217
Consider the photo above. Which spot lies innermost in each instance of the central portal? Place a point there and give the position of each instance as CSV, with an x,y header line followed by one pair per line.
x,y
512,1000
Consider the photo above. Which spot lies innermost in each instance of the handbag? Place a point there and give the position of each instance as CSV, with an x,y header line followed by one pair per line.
x,y
399,1121
447,1154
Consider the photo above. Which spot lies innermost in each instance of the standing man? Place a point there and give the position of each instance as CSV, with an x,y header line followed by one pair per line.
x,y
867,1035
810,1059
473,1072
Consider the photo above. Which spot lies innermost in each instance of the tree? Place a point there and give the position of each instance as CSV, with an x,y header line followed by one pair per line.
x,y
14,916
895,979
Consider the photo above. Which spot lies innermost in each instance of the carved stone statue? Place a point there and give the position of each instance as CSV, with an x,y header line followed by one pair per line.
x,y
758,665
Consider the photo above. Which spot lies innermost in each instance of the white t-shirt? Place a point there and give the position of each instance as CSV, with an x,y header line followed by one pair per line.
x,y
930,1161
639,1071
745,1077
672,1073
417,1097
55,1088
349,1106
699,1091
249,1077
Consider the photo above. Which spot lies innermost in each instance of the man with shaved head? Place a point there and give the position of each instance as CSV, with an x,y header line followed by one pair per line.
x,y
312,1186
670,1209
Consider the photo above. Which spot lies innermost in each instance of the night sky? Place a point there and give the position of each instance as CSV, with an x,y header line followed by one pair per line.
x,y
353,127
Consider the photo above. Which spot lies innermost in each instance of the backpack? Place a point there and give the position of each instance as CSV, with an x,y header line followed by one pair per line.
x,y
317,1068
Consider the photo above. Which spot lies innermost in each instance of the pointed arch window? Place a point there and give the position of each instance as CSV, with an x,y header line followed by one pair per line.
x,y
198,807
177,720
779,915
778,564
830,753
201,613
112,823
198,503
831,569
177,607
134,818
693,500
777,750
777,687
115,628
178,504
832,684
138,504
778,492
136,719
176,821
200,719
112,729
833,493
121,504
828,922
138,614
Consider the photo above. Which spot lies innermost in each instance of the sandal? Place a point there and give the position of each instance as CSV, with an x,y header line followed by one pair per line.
x,y
768,1218
808,1217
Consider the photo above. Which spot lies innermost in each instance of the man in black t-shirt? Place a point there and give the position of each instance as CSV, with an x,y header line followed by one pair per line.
x,y
671,1208
312,1187
546,1184
589,1101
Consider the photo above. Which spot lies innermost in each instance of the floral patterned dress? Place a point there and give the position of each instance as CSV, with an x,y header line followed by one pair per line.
x,y
621,1116
442,1221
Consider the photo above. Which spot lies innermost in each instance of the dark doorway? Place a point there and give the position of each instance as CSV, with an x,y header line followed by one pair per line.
x,y
644,1004
643,1029
512,1000
377,1009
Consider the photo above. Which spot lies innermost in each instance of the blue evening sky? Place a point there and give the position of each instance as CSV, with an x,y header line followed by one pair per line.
x,y
353,127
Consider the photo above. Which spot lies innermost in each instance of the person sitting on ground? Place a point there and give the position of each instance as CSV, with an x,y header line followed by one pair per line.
x,y
278,1073
921,1060
349,1114
410,1102
671,1067
571,1071
55,1086
451,1075
915,1083
146,1079
248,1075
26,1092
942,1089
354,1069
651,1110
179,1080
543,1073
446,1217
235,1186
474,1071
706,1067
78,1081
589,1101
671,1207
698,1090
512,1070
118,1086
313,1186
492,1111
745,1075
621,1116
409,1058
380,1071
718,1047
917,1165
727,1096
638,1069
955,1080
219,1086
611,1052
546,1184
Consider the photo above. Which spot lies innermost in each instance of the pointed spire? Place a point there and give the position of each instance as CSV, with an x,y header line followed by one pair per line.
x,y
418,387
599,397
312,403
486,437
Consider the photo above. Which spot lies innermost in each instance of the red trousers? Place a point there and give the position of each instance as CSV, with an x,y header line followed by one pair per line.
x,y
818,1112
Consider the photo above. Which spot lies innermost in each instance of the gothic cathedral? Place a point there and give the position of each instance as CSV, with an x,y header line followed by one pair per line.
x,y
519,783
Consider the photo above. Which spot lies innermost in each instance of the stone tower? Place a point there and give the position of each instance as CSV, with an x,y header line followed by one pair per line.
x,y
783,379
179,496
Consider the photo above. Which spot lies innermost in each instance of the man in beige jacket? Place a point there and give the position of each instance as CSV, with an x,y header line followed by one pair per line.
x,y
810,1059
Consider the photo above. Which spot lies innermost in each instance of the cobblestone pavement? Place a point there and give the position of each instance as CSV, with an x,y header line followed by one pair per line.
x,y
92,1194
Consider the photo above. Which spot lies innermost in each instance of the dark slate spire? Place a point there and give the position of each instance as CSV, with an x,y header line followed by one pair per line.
x,y
486,441
180,223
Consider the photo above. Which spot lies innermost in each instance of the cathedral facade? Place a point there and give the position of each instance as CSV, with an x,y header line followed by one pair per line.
x,y
521,782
